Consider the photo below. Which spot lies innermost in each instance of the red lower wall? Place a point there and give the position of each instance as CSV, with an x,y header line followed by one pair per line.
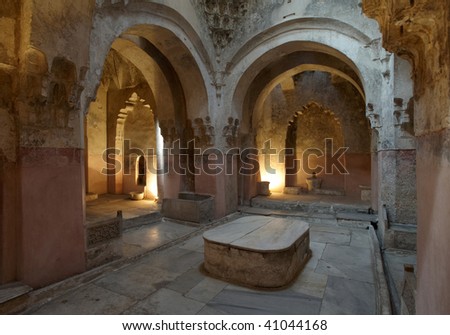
x,y
53,235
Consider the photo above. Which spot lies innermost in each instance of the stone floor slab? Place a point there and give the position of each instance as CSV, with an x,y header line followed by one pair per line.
x,y
327,237
186,281
206,290
156,234
194,244
345,296
265,303
175,260
360,239
87,300
317,251
208,310
329,229
129,283
166,302
310,283
347,262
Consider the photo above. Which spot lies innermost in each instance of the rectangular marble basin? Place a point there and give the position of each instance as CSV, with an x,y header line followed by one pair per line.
x,y
257,251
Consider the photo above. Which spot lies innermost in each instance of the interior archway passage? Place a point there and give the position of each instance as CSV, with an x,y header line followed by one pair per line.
x,y
310,106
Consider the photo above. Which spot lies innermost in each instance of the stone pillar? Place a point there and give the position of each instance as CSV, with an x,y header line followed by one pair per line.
x,y
51,168
424,40
9,179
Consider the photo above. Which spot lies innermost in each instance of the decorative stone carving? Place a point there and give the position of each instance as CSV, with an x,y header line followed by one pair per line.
x,y
63,79
415,30
374,118
34,70
203,132
209,132
404,115
103,241
231,132
133,102
103,232
222,18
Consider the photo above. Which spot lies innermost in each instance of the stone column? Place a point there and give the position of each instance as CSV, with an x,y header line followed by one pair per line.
x,y
419,31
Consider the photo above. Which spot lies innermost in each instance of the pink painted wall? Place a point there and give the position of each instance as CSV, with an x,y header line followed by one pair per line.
x,y
359,168
224,186
433,244
53,236
8,221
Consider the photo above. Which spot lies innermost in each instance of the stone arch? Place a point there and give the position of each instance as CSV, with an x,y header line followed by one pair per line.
x,y
331,38
295,47
306,136
163,28
166,50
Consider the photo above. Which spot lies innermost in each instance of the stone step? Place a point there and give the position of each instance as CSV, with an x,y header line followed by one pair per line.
x,y
361,220
307,207
12,295
402,236
141,220
318,218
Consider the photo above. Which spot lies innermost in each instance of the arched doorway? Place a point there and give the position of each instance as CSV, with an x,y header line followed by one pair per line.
x,y
161,96
276,88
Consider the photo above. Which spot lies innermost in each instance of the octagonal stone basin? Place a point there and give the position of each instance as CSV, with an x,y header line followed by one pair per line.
x,y
261,252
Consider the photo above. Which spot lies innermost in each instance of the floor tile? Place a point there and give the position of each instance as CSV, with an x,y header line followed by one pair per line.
x,y
347,262
310,283
327,237
186,281
129,283
360,238
317,251
174,260
156,234
194,244
237,302
345,296
87,300
166,302
206,290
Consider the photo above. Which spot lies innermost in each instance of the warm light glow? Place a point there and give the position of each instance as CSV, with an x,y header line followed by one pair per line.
x,y
153,187
276,180
273,172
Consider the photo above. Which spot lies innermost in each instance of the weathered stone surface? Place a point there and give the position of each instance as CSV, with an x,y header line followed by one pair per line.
x,y
189,207
224,74
258,251
103,242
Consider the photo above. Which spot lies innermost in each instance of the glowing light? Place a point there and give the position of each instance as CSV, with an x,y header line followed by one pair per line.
x,y
153,187
276,180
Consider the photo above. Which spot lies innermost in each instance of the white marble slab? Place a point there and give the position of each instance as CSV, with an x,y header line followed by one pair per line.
x,y
257,233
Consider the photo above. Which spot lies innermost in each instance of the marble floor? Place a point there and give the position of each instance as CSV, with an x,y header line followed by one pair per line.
x,y
338,279
106,206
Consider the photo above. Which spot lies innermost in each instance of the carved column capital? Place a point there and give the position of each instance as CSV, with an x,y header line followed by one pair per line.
x,y
373,116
